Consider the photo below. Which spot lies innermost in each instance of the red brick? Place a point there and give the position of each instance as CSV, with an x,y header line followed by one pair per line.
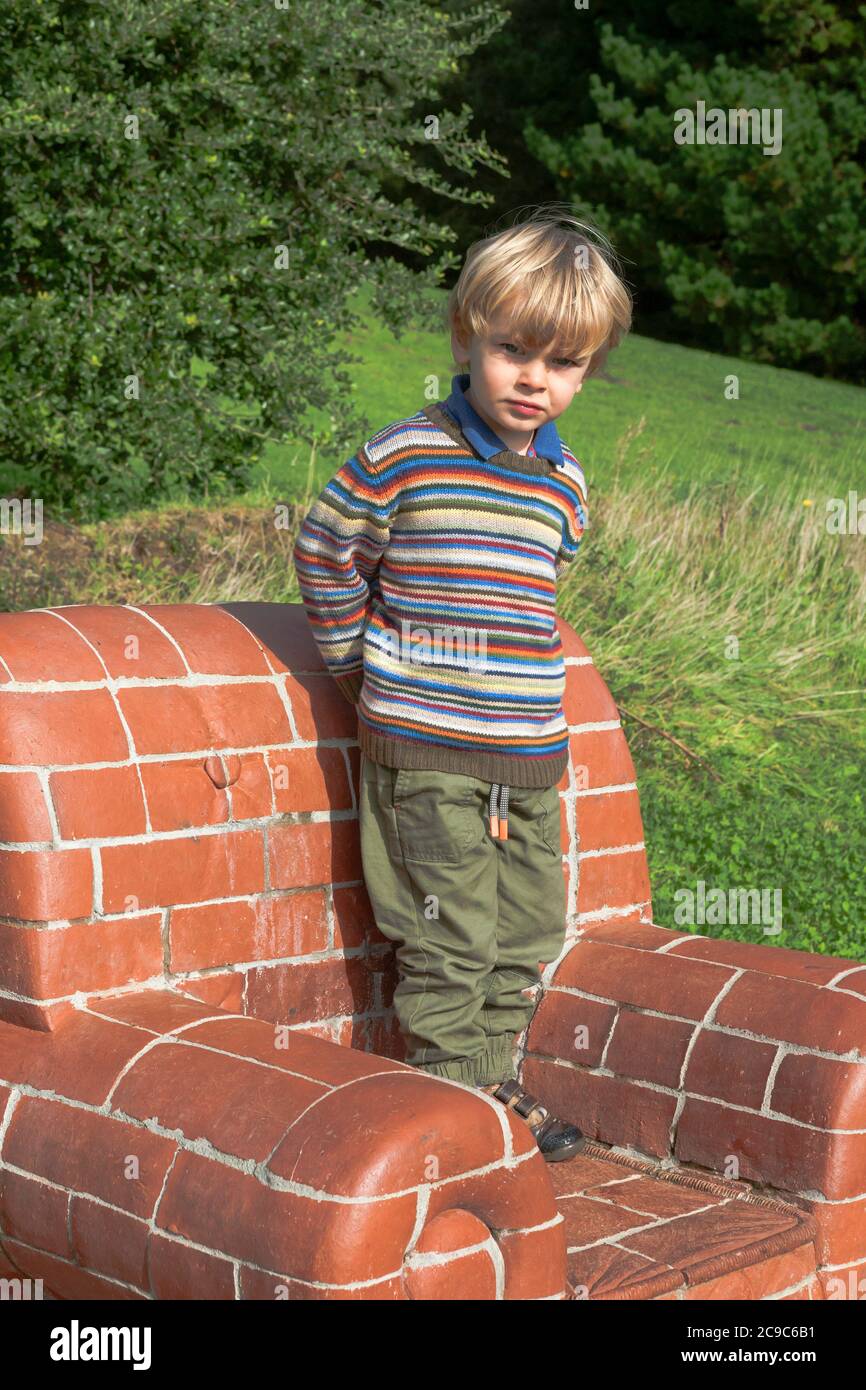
x,y
779,1153
314,1239
757,1281
310,990
188,869
96,802
34,1213
573,645
310,779
269,1287
507,1198
88,1153
458,1271
841,1230
110,1242
612,1109
304,1055
649,1048
61,727
612,881
731,1068
42,647
586,699
81,1060
600,758
778,961
158,1011
284,633
128,644
178,1271
45,885
239,1107
190,719
23,813
222,991
554,1025
250,793
643,979
267,929
354,921
213,642
92,955
535,1263
67,1281
608,819
320,710
416,1131
181,795
792,1011
644,936
314,852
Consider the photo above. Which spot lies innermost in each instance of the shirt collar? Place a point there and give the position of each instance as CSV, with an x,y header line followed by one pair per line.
x,y
483,439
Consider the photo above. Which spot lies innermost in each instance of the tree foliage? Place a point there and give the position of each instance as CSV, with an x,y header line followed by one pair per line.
x,y
208,179
761,256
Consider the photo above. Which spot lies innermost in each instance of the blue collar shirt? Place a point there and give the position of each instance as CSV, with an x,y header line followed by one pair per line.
x,y
484,440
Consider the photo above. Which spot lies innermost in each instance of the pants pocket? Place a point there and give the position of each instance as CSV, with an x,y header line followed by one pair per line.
x,y
547,810
435,822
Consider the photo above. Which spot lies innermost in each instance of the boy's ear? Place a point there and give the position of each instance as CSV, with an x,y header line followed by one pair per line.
x,y
459,344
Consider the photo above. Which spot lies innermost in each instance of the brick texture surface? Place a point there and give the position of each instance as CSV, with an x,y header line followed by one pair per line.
x,y
195,1000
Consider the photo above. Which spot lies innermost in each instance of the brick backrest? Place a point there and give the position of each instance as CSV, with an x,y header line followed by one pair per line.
x,y
178,808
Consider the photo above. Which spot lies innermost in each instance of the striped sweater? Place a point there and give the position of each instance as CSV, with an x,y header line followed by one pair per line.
x,y
428,569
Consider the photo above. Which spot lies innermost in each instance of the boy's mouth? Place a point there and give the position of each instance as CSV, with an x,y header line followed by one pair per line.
x,y
524,407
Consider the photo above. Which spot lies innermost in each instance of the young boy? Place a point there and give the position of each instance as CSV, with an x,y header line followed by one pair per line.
x,y
428,569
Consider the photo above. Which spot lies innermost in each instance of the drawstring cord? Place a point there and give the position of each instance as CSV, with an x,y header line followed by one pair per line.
x,y
498,819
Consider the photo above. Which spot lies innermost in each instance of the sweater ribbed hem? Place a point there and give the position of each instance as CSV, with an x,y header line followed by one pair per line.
x,y
438,757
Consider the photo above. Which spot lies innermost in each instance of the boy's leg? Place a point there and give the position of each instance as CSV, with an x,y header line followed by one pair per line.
x,y
531,907
431,872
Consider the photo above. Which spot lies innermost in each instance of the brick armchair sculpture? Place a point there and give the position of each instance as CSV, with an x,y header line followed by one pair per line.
x,y
201,1085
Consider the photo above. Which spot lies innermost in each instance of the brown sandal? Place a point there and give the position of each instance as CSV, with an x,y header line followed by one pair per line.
x,y
555,1138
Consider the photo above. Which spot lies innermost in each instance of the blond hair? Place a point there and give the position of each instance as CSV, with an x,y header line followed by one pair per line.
x,y
556,280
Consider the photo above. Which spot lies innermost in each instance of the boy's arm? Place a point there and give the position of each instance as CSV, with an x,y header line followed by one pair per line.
x,y
336,554
576,515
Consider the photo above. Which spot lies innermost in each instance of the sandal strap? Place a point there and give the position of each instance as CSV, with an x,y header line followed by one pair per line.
x,y
521,1101
508,1090
527,1104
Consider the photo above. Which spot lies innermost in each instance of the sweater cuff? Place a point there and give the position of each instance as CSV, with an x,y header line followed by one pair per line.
x,y
350,685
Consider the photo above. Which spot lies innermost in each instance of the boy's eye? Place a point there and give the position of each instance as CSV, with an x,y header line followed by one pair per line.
x,y
511,348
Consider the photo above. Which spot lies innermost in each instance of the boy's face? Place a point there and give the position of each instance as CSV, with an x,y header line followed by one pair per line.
x,y
516,389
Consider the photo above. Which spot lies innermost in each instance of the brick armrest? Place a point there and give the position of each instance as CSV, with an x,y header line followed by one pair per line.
x,y
745,1059
153,1147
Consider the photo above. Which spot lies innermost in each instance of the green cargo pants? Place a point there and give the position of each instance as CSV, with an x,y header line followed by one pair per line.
x,y
472,916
